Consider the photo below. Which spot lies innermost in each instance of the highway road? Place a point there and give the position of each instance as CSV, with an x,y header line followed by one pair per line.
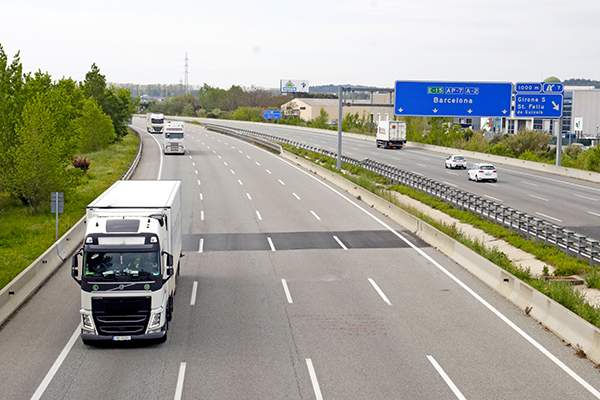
x,y
570,203
292,289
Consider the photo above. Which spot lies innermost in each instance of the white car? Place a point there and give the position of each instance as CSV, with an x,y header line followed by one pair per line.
x,y
483,171
456,162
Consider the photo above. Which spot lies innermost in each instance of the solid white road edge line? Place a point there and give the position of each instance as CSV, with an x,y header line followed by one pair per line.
x,y
50,375
313,379
161,156
446,378
507,321
194,292
342,245
287,291
180,378
383,296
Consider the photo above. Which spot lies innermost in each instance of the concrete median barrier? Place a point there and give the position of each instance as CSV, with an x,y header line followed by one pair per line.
x,y
13,295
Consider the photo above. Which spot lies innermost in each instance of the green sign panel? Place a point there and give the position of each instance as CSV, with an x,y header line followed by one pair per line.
x,y
435,90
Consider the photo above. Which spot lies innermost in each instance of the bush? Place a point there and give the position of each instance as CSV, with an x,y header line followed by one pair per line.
x,y
81,163
500,149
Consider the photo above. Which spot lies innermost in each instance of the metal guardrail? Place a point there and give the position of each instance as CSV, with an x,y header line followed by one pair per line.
x,y
247,137
136,160
527,226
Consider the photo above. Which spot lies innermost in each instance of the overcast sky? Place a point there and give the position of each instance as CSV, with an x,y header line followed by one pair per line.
x,y
357,42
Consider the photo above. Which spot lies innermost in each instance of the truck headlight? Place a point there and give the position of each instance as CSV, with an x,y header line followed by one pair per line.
x,y
155,319
87,323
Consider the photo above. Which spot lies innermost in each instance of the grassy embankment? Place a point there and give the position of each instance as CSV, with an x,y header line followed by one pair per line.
x,y
24,236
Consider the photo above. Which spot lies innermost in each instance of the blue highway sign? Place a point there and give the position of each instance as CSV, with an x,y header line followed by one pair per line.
x,y
539,100
453,99
271,114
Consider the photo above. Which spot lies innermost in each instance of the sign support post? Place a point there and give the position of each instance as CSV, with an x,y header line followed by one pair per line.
x,y
57,206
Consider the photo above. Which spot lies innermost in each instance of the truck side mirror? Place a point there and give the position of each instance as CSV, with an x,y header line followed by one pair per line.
x,y
169,260
75,267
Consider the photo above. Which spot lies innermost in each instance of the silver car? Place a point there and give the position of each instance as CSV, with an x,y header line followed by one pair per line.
x,y
456,162
483,171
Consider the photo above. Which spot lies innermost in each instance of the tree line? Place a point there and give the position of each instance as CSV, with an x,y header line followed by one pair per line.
x,y
45,123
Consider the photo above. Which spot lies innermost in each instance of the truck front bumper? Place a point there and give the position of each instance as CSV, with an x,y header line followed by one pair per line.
x,y
86,337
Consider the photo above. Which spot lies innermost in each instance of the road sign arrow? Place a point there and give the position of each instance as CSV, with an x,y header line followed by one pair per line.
x,y
435,110
556,106
469,111
504,111
400,109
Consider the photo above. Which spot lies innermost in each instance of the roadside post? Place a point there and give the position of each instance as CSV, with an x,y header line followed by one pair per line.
x,y
57,206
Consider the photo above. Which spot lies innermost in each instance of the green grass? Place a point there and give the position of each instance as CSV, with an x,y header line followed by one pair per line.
x,y
25,236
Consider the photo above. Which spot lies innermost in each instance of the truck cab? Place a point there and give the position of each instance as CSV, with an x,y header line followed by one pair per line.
x,y
155,123
174,137
130,260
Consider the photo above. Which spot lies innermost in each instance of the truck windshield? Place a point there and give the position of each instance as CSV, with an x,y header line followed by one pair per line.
x,y
158,121
174,135
109,265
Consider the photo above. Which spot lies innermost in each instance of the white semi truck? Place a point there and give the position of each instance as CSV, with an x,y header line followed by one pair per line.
x,y
174,137
391,134
130,261
155,123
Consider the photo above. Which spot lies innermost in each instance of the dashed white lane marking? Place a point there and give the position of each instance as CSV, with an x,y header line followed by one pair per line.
x,y
287,291
383,296
446,378
343,246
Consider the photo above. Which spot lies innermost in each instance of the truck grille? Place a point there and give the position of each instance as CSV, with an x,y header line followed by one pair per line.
x,y
121,315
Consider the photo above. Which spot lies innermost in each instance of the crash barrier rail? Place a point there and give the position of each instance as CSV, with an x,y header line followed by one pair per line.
x,y
248,138
525,225
20,289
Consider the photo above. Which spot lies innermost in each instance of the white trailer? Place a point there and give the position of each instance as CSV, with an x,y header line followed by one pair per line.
x,y
174,137
130,261
391,134
155,123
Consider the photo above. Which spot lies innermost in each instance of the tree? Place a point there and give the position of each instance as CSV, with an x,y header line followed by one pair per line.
x,y
12,101
209,97
93,128
320,122
414,128
116,103
532,141
246,114
42,157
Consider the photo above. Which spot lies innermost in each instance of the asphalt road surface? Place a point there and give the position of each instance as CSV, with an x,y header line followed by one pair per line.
x,y
290,289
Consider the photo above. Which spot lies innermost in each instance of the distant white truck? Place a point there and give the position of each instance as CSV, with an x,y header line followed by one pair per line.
x,y
155,123
391,134
130,261
174,137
